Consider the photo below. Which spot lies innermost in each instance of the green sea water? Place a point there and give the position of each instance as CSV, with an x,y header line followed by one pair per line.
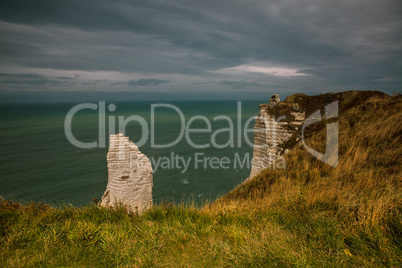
x,y
38,163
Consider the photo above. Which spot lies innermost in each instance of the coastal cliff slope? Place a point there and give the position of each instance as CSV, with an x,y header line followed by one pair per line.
x,y
279,124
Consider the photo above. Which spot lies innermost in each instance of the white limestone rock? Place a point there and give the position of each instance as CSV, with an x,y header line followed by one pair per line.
x,y
274,99
270,134
130,179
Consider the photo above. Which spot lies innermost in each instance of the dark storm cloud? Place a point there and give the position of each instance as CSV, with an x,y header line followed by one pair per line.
x,y
32,80
346,44
147,82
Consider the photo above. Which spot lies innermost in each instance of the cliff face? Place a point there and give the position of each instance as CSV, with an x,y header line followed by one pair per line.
x,y
130,179
278,124
274,125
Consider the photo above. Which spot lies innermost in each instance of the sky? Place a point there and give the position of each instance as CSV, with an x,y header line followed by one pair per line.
x,y
79,50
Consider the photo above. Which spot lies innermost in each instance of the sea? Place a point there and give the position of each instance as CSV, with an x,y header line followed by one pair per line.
x,y
56,152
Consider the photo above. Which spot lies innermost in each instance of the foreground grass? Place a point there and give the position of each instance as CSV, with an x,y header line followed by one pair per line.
x,y
168,236
307,215
290,234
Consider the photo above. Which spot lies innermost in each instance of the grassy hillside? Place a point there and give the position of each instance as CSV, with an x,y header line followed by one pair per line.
x,y
309,214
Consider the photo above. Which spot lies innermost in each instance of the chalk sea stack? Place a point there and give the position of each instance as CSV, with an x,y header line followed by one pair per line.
x,y
130,179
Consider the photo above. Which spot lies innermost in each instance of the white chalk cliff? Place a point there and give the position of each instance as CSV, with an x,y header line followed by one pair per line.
x,y
130,179
274,125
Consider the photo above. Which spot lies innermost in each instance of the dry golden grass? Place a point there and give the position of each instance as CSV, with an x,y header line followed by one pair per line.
x,y
362,194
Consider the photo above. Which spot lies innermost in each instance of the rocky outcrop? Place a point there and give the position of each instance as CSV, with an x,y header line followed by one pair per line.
x,y
274,99
129,176
278,126
275,124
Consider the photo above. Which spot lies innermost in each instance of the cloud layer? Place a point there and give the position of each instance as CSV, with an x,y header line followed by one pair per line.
x,y
225,46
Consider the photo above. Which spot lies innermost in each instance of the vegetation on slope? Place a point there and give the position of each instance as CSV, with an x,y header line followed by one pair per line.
x,y
309,214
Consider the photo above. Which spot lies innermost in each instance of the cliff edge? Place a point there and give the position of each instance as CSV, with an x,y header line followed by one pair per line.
x,y
278,125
